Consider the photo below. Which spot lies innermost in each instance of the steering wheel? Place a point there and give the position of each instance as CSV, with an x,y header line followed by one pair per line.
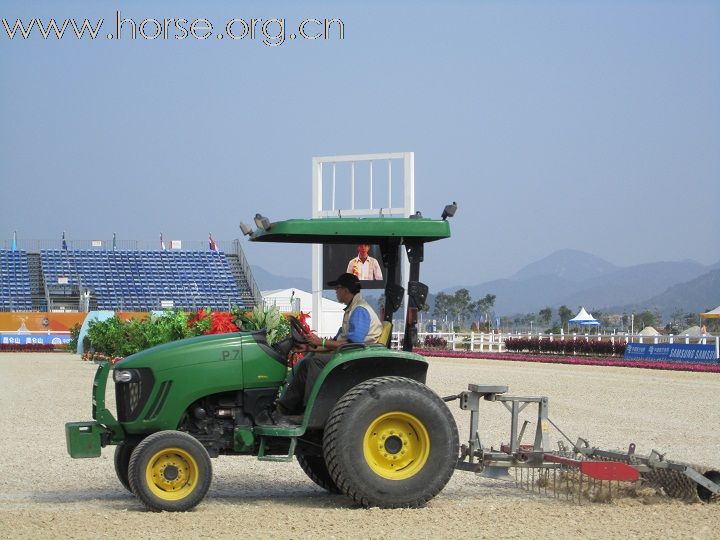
x,y
298,331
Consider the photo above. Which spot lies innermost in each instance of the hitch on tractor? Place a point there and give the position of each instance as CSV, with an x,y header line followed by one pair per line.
x,y
563,470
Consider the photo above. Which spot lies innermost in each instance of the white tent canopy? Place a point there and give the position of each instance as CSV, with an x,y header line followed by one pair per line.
x,y
299,300
649,331
693,331
584,318
713,314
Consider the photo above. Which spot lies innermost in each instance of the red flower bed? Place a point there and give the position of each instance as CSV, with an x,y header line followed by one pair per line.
x,y
213,322
579,360
100,357
30,347
566,346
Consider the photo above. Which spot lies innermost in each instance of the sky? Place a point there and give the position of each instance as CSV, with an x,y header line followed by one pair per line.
x,y
583,125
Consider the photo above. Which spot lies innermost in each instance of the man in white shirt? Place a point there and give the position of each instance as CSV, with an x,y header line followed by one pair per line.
x,y
363,266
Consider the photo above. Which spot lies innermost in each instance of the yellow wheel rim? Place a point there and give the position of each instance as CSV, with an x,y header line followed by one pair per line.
x,y
172,474
396,445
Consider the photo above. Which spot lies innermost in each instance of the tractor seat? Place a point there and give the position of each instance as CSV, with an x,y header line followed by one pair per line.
x,y
386,334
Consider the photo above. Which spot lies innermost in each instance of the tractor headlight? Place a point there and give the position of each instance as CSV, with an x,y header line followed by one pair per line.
x,y
125,375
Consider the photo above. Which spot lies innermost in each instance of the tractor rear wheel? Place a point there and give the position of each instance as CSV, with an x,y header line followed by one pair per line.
x,y
315,468
170,471
390,442
123,451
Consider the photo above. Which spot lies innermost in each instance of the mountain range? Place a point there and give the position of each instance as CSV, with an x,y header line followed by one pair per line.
x,y
268,281
576,278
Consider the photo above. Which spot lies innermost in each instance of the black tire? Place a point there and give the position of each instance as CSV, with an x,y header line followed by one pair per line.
x,y
315,468
170,471
390,442
123,451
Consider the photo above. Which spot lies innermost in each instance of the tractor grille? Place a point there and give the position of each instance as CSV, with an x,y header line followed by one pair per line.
x,y
131,397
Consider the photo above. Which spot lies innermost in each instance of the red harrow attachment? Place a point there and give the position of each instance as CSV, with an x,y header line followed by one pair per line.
x,y
576,469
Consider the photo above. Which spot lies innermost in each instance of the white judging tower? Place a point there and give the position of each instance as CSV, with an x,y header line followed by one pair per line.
x,y
360,185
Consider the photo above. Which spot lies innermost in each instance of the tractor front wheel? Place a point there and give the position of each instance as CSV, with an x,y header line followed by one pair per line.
x,y
170,471
390,442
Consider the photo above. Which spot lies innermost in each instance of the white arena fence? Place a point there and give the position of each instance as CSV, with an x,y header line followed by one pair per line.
x,y
495,341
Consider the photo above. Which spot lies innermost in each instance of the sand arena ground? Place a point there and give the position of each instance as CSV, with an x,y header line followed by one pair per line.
x,y
46,493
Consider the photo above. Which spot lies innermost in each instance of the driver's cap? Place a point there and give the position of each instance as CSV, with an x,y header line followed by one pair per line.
x,y
347,280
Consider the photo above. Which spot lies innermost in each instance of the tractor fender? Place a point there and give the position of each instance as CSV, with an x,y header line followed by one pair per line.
x,y
342,374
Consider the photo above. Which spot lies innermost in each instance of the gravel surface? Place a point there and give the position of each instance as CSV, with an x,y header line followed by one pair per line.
x,y
45,492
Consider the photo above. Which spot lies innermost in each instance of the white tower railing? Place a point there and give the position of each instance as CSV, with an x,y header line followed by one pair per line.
x,y
345,184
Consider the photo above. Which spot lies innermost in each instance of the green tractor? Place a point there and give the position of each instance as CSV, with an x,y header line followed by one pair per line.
x,y
371,429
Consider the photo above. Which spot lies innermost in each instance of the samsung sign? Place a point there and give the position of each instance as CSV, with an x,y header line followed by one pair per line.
x,y
673,352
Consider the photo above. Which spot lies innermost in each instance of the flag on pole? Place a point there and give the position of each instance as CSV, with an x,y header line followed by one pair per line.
x,y
114,241
162,244
64,243
14,242
213,244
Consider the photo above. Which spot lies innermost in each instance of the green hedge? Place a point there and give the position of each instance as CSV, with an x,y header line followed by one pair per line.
x,y
114,337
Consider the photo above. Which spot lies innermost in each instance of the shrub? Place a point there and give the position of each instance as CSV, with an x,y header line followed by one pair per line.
x,y
114,338
276,325
107,336
168,326
74,336
603,347
437,342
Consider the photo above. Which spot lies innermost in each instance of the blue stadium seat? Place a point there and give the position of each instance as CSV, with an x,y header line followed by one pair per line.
x,y
15,292
139,280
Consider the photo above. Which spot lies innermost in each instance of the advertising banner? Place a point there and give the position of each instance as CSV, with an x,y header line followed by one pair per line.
x,y
34,339
674,352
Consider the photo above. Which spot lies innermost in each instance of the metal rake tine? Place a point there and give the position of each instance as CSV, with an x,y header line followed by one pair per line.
x,y
533,480
580,488
567,486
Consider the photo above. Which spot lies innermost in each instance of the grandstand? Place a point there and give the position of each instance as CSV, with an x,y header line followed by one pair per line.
x,y
14,281
85,278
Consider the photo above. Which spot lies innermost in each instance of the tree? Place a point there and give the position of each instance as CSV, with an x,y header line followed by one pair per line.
x,y
565,314
459,307
529,319
676,320
603,319
646,318
443,305
506,322
545,316
483,307
692,319
381,303
463,305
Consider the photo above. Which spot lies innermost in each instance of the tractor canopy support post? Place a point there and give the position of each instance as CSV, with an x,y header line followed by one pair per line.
x,y
394,292
417,292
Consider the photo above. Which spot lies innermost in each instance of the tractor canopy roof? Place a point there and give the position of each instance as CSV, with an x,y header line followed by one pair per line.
x,y
349,230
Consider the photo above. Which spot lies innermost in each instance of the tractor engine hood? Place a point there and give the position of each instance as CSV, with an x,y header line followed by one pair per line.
x,y
156,386
189,352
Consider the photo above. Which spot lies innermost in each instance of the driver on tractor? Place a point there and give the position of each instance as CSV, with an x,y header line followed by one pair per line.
x,y
360,325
